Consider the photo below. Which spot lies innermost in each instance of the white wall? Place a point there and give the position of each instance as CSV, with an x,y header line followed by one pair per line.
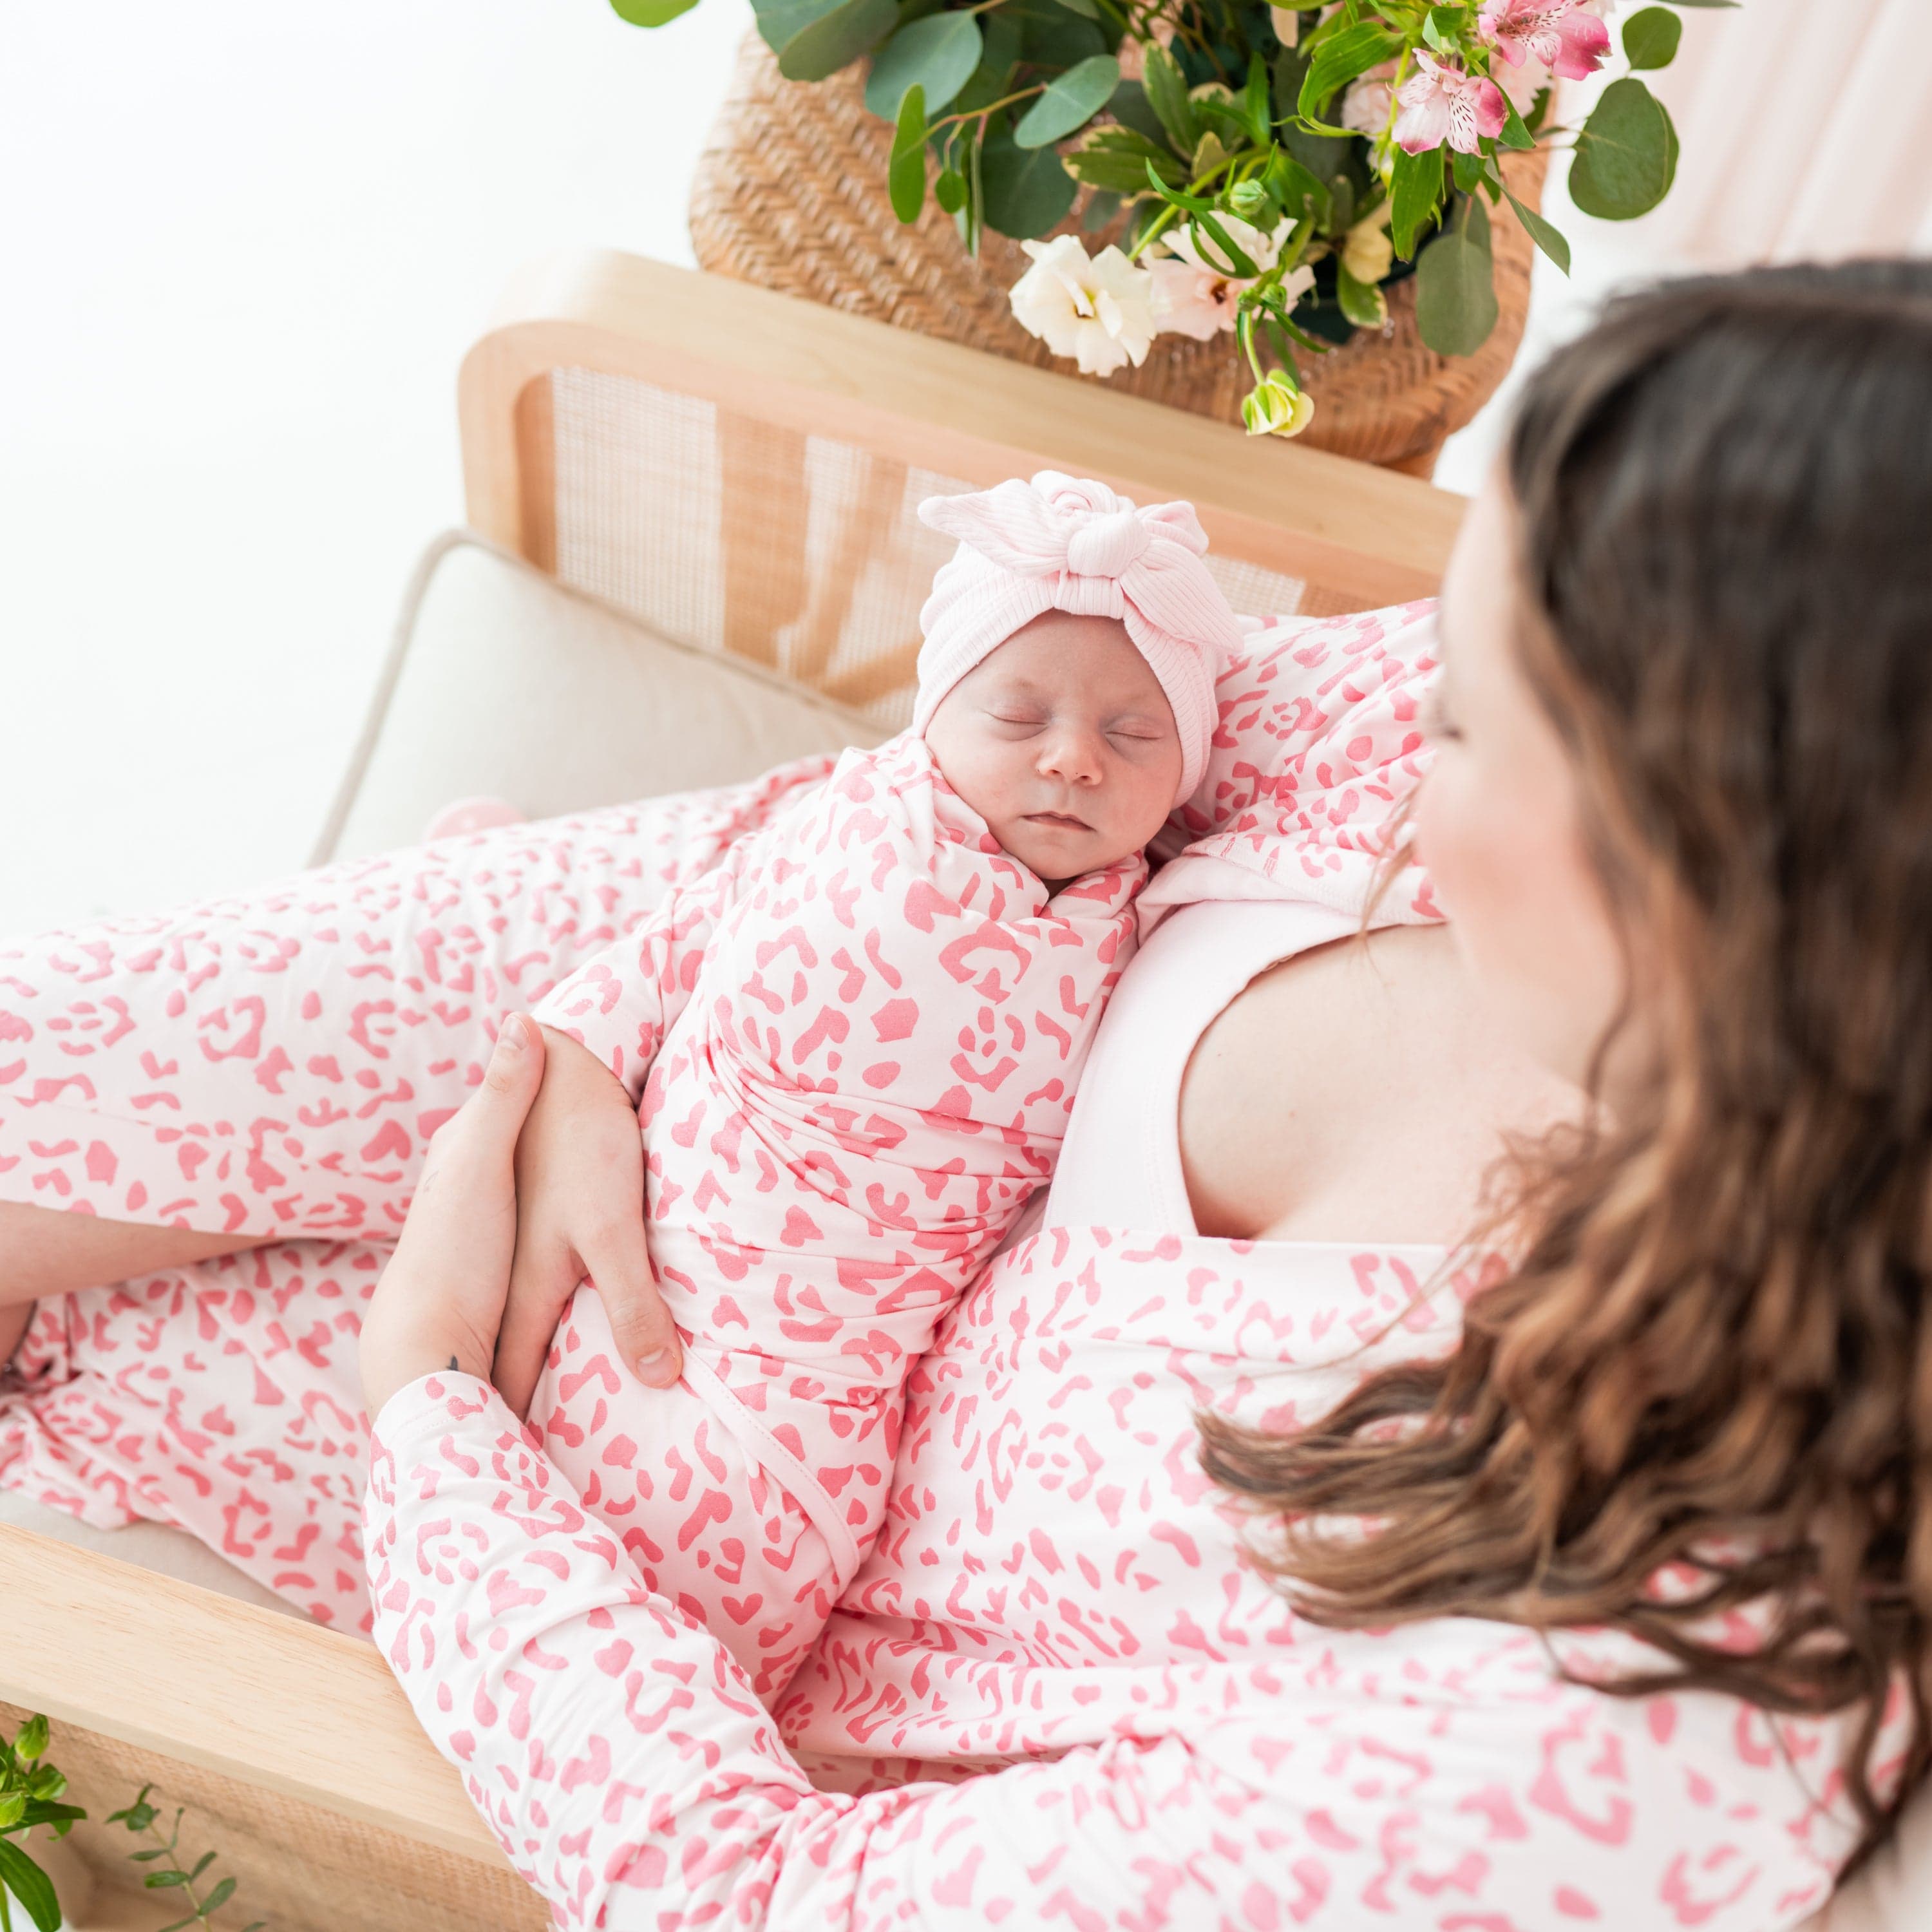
x,y
243,246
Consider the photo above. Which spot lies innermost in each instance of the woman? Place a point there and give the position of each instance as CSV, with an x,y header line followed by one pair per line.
x,y
1247,1765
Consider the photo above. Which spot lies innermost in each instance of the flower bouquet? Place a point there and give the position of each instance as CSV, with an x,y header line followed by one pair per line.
x,y
1267,173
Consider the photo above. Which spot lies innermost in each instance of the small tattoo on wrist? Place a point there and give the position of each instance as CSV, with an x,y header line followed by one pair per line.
x,y
454,1369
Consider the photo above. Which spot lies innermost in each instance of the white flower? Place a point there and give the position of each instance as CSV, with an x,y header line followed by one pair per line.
x,y
1100,313
1205,252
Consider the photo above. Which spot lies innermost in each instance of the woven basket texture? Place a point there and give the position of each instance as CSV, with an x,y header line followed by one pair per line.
x,y
790,192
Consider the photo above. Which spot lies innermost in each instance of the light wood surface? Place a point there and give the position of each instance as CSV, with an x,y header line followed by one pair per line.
x,y
198,1677
1364,535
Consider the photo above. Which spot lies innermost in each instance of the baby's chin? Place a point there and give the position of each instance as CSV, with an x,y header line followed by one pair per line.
x,y
1056,856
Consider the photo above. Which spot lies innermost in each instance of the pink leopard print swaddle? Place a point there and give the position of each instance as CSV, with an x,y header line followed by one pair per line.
x,y
855,1046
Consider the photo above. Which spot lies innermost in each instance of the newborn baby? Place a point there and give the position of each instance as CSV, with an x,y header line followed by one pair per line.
x,y
855,1045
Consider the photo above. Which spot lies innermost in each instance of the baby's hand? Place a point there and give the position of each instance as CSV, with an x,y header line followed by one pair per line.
x,y
581,1212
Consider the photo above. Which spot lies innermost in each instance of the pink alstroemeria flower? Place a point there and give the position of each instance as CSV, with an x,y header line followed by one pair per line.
x,y
1570,41
1440,102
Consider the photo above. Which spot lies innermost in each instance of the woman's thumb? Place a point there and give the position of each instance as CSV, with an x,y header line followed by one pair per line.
x,y
511,1078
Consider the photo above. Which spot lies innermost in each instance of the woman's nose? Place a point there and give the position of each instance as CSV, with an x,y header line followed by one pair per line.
x,y
1071,755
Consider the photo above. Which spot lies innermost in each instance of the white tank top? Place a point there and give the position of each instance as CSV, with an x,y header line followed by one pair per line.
x,y
1120,1165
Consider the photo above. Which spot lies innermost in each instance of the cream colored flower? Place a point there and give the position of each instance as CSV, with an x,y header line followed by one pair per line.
x,y
1274,407
1367,253
1366,104
1100,313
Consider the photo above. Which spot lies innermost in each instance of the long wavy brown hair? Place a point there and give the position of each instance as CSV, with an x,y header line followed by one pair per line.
x,y
1714,1348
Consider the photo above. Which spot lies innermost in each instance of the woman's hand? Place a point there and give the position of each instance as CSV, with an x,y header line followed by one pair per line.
x,y
579,1168
440,1300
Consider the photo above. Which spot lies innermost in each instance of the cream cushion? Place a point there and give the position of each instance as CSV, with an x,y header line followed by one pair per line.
x,y
502,683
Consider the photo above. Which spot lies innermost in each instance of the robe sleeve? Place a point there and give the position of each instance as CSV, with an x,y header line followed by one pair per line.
x,y
620,1758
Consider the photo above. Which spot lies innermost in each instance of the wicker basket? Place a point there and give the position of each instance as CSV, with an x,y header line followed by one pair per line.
x,y
790,193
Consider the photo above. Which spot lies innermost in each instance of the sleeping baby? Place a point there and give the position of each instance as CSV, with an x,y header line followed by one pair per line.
x,y
854,1045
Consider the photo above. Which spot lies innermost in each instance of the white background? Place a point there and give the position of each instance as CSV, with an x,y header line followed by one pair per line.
x,y
244,244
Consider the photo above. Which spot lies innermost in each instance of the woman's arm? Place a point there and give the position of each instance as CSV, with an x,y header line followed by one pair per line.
x,y
633,1779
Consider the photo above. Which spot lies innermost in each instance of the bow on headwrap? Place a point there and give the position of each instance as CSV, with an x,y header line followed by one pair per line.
x,y
1059,543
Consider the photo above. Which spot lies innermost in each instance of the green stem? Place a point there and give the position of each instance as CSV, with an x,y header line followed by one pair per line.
x,y
992,107
187,1884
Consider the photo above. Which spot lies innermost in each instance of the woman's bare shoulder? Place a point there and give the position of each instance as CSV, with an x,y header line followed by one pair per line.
x,y
1357,1092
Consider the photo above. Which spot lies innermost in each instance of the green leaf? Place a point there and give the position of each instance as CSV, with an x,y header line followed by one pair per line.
x,y
1298,192
1342,58
949,191
834,39
1517,133
12,1809
1256,115
939,53
1167,95
1071,100
1291,70
1473,220
1455,295
149,1856
218,1898
905,173
1362,302
1050,36
1465,170
650,12
160,1881
1550,239
1651,37
1085,9
30,1886
1028,190
1415,193
32,1741
38,1813
1626,155
1116,160
1132,109
201,1865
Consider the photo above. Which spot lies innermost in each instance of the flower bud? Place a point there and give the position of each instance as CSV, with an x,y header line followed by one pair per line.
x,y
1248,199
1274,407
1367,254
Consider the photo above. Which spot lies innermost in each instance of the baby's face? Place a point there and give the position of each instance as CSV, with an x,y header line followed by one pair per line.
x,y
1064,742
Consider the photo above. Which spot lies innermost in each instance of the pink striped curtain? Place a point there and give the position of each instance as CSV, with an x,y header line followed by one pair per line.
x,y
1806,133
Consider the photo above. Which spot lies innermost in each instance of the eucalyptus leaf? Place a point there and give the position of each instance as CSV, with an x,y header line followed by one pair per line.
x,y
650,12
1455,295
949,191
1071,100
1027,190
905,173
1085,9
1626,155
1651,38
1473,221
31,1885
1051,36
1549,238
940,53
836,39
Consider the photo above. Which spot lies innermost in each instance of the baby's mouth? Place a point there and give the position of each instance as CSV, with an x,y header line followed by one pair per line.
x,y
1065,820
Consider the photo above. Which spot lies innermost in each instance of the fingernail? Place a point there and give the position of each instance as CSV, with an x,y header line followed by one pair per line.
x,y
658,1371
513,1036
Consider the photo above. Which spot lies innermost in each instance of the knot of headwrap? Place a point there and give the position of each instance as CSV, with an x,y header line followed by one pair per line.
x,y
1059,543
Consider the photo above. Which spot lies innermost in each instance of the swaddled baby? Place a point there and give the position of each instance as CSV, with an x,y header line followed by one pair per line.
x,y
856,1044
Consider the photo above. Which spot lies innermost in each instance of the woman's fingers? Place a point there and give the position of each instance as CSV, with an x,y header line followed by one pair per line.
x,y
619,1265
541,1285
440,1301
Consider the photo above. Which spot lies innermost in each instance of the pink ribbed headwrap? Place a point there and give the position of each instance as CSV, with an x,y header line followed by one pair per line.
x,y
1059,543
